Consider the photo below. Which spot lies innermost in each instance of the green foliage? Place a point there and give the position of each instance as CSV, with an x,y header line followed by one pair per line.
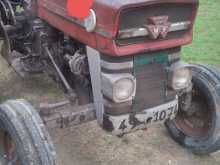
x,y
206,44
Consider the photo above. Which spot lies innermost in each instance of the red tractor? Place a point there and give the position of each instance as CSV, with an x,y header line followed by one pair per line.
x,y
121,66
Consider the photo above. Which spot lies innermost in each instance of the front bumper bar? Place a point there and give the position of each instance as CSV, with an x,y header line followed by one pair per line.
x,y
122,124
117,125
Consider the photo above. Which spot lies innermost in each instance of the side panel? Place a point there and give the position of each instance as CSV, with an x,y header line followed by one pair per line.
x,y
54,12
95,73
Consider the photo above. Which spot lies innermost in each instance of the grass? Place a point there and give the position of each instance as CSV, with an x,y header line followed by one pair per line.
x,y
206,44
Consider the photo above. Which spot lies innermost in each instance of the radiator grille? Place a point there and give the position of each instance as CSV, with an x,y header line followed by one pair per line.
x,y
150,70
151,81
137,17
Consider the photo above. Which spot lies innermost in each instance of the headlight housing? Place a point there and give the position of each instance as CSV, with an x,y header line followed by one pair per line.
x,y
90,21
119,87
180,76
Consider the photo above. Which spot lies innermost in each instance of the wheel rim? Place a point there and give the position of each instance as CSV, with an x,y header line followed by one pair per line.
x,y
8,149
197,123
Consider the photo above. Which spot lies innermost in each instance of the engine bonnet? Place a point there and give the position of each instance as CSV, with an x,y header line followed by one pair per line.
x,y
107,11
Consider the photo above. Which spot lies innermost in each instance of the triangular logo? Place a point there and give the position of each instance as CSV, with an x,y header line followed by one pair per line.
x,y
158,27
154,31
164,29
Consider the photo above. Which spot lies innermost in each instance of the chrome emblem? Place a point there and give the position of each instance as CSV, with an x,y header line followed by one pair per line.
x,y
158,27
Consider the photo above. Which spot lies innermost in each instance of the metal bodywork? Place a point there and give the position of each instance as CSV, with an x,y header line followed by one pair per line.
x,y
117,125
121,65
141,40
104,37
122,124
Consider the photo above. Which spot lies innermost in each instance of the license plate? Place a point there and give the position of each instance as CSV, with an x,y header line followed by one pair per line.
x,y
162,112
130,122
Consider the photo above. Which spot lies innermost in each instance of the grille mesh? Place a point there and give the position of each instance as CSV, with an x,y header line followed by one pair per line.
x,y
151,81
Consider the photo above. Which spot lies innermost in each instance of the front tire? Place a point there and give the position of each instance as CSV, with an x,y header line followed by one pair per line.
x,y
24,139
200,130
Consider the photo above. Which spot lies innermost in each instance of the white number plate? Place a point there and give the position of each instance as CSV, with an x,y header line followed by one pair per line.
x,y
126,123
162,112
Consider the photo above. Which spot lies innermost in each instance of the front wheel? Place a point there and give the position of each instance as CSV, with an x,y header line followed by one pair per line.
x,y
199,130
24,139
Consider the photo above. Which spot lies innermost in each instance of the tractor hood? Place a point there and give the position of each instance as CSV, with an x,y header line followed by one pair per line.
x,y
108,11
122,26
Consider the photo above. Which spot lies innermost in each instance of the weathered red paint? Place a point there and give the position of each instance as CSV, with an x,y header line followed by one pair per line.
x,y
79,9
108,12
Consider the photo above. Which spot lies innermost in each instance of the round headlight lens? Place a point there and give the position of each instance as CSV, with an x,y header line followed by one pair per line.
x,y
124,89
90,21
182,78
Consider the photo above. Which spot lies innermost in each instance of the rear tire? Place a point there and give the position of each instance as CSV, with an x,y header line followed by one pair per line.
x,y
33,145
202,137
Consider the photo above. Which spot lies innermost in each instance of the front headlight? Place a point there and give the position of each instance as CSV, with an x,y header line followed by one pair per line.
x,y
123,89
180,76
119,87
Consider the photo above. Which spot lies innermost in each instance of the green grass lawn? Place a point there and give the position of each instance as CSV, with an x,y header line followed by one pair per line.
x,y
206,43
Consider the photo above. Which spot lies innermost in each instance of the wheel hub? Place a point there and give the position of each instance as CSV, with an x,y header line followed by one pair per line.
x,y
8,149
197,122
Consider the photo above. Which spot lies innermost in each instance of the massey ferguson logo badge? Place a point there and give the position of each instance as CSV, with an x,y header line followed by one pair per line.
x,y
158,27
